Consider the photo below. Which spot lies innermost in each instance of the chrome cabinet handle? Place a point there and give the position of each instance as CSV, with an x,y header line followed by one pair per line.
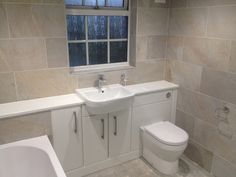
x,y
75,119
103,128
115,119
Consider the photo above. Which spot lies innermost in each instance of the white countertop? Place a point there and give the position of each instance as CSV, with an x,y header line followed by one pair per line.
x,y
49,103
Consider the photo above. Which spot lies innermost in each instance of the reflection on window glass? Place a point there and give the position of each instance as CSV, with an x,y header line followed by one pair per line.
x,y
101,3
115,3
76,27
77,53
118,27
73,2
97,53
118,52
90,2
97,27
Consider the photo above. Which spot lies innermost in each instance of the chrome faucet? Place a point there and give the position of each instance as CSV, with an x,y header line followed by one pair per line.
x,y
123,79
101,81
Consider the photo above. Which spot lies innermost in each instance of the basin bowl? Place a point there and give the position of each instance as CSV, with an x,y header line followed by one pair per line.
x,y
109,99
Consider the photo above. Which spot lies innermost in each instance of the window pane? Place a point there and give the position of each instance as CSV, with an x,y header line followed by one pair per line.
x,y
115,3
118,52
90,2
118,27
97,53
101,3
77,54
97,27
76,27
73,2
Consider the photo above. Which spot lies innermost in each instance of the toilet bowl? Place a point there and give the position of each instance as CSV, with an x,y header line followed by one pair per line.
x,y
163,144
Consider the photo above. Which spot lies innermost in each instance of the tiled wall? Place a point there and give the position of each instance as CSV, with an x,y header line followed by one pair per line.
x,y
34,56
34,59
201,56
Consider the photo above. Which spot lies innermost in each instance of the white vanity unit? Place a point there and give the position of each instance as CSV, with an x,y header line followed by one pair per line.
x,y
86,142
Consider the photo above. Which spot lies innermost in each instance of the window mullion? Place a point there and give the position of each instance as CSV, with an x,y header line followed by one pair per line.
x,y
106,3
83,2
108,39
86,34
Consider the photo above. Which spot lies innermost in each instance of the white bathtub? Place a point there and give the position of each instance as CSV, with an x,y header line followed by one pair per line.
x,y
29,158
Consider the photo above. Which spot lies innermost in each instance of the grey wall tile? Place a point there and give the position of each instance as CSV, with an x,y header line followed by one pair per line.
x,y
220,22
213,53
219,84
23,54
200,155
190,21
57,55
44,83
152,21
7,88
4,24
19,128
156,47
221,168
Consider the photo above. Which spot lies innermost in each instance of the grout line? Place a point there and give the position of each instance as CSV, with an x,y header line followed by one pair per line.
x,y
8,24
207,21
16,87
46,52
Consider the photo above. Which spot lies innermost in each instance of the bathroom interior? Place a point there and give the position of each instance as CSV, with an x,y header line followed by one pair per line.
x,y
117,88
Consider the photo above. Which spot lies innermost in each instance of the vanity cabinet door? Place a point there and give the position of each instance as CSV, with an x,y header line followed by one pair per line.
x,y
67,137
119,132
95,136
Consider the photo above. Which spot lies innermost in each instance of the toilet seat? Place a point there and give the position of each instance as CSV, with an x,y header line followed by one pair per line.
x,y
167,133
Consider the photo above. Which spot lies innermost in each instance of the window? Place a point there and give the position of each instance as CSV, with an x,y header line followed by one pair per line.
x,y
98,33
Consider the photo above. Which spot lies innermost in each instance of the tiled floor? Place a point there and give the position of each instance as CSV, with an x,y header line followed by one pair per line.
x,y
140,168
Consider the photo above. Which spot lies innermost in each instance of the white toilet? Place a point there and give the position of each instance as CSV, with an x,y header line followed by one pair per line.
x,y
163,144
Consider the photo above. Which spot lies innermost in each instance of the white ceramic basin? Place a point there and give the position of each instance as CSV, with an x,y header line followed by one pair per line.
x,y
110,98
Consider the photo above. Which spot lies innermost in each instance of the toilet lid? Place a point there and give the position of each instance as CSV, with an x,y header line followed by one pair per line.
x,y
167,133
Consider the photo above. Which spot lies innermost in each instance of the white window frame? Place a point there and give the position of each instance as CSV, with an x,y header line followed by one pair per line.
x,y
103,11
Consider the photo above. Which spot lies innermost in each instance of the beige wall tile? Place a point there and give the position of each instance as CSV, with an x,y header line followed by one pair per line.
x,y
23,54
219,84
198,3
21,21
24,127
153,4
4,67
232,61
152,21
205,134
36,20
156,48
190,21
51,19
178,3
57,52
4,25
142,48
43,83
221,22
7,88
221,168
175,48
185,121
207,52
199,105
200,155
146,71
184,74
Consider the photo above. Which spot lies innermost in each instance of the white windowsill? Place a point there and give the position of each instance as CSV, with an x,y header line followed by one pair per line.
x,y
100,68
